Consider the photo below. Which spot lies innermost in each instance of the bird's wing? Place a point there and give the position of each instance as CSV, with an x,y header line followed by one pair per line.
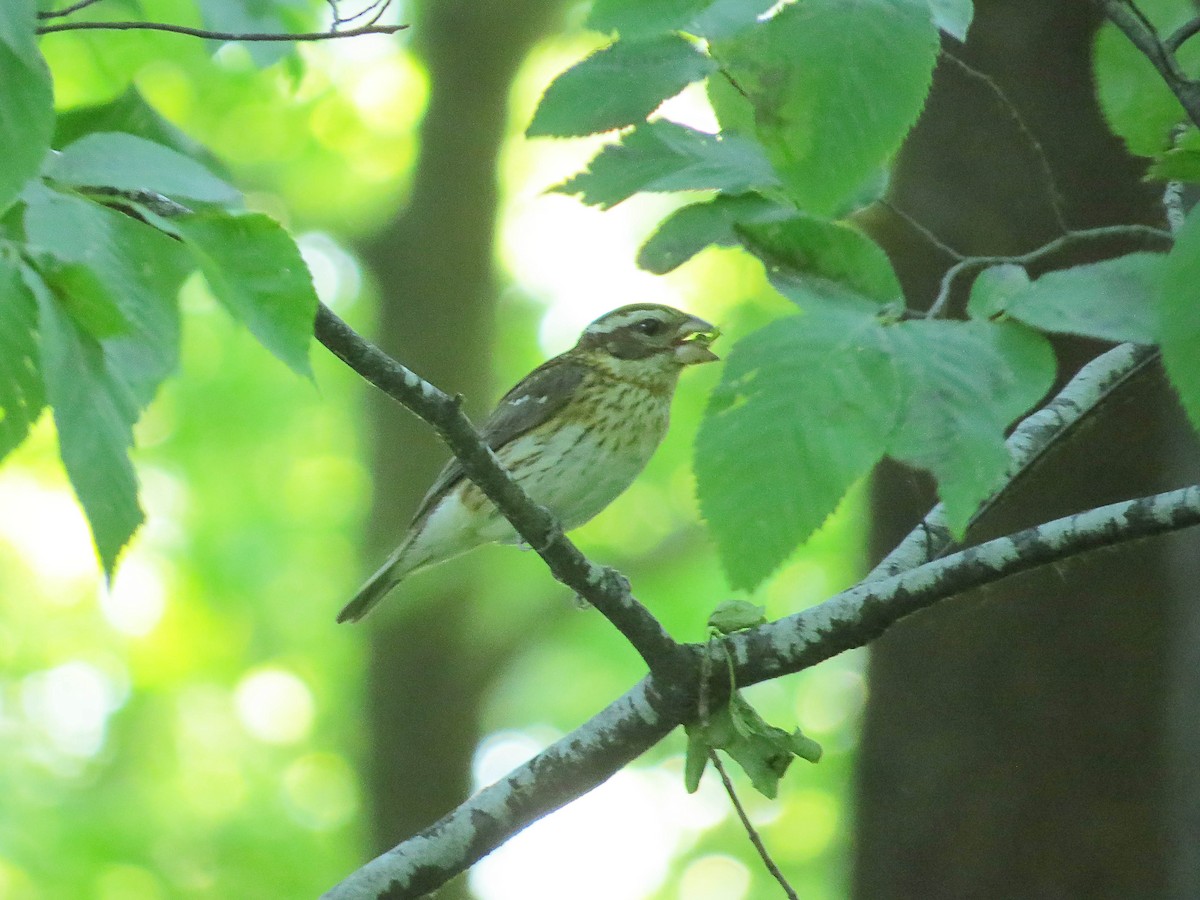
x,y
537,397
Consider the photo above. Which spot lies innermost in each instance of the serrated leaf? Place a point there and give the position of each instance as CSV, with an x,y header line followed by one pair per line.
x,y
617,86
835,88
661,156
707,18
26,100
1111,300
637,18
1179,316
689,230
953,16
138,267
1136,102
125,162
965,383
94,415
804,409
21,393
255,270
806,257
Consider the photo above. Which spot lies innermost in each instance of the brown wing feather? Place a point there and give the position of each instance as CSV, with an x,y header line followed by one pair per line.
x,y
537,397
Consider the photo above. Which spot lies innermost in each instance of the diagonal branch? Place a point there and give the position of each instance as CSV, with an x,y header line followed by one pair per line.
x,y
604,588
1126,15
644,716
1081,397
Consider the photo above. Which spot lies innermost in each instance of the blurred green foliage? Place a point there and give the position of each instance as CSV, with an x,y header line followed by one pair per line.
x,y
191,731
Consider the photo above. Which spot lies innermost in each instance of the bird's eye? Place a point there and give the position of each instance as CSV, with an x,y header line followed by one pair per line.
x,y
649,327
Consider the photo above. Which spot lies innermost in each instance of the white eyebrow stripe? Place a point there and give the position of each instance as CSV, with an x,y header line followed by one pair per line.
x,y
616,321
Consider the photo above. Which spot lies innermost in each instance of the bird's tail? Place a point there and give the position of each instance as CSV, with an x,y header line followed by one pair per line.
x,y
378,586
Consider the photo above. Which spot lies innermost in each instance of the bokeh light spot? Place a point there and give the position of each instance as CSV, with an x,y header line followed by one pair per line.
x,y
274,705
134,605
71,704
714,877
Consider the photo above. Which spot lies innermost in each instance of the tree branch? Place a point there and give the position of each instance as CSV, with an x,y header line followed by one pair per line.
x,y
219,35
1126,15
643,716
1082,396
1147,235
604,588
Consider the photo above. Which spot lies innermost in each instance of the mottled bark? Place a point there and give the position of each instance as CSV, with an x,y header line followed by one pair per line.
x,y
1025,741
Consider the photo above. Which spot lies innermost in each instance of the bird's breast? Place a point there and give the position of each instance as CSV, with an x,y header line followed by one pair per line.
x,y
577,466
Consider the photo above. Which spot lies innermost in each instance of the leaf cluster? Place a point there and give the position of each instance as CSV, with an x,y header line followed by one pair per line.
x,y
813,99
99,229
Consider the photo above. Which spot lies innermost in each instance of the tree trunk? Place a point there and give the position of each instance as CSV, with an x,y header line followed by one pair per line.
x,y
1029,740
432,268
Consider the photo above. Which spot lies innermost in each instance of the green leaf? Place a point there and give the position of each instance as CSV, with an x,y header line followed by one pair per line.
x,y
1179,316
125,162
804,409
26,100
953,16
138,267
131,114
1181,162
94,415
254,269
807,405
83,294
617,86
835,87
250,17
965,383
763,751
662,156
1111,300
736,615
707,18
808,257
1136,102
21,393
637,18
689,230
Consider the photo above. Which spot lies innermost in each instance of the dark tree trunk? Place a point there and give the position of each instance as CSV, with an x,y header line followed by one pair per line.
x,y
1029,740
433,271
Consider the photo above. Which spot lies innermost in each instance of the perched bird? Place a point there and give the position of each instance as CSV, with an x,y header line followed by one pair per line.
x,y
574,433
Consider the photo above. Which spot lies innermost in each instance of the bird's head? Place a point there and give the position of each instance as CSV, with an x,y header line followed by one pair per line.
x,y
650,336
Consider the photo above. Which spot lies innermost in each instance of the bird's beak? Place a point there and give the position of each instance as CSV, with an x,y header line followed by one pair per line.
x,y
691,345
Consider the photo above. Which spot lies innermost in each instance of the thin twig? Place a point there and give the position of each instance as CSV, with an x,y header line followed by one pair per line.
x,y
1039,152
220,35
920,229
1144,233
66,10
751,832
1141,33
1182,34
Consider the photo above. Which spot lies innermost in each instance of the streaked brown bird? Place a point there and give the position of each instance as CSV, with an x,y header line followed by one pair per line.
x,y
574,433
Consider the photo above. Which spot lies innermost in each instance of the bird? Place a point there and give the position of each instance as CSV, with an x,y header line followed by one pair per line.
x,y
574,433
